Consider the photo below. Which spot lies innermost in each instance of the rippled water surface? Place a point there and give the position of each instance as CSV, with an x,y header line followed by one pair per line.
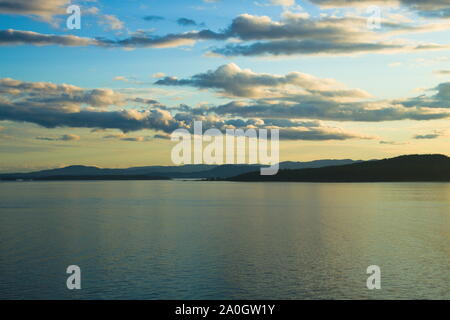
x,y
223,240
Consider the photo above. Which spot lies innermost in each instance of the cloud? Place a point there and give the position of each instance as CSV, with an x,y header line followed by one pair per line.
x,y
292,26
161,136
17,37
299,95
186,22
134,139
394,143
70,137
294,34
153,18
146,101
121,78
442,72
124,137
65,137
441,99
428,8
111,22
315,47
51,106
23,109
115,136
126,120
329,110
91,10
284,3
300,34
429,136
158,75
443,13
44,9
288,129
108,21
131,80
232,81
167,41
319,134
63,96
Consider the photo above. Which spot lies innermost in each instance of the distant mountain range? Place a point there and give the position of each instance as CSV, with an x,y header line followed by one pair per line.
x,y
408,168
404,168
160,172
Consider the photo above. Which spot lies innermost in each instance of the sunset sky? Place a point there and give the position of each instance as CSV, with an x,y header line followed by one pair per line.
x,y
110,93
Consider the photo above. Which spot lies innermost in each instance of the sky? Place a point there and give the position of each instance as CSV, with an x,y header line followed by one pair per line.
x,y
339,78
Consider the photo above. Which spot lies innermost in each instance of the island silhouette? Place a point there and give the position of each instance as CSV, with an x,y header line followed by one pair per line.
x,y
407,168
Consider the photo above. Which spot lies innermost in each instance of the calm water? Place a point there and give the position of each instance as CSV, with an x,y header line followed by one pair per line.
x,y
220,240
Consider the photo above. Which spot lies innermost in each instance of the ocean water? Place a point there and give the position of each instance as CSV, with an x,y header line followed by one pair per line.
x,y
224,240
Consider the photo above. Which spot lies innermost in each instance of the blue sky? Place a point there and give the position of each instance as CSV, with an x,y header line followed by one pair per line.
x,y
77,66
390,79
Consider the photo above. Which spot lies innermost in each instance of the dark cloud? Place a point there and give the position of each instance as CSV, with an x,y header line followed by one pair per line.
x,y
134,139
125,120
293,34
167,41
153,18
132,120
146,101
17,37
185,22
427,136
328,110
300,34
51,105
65,137
307,47
319,134
393,143
161,137
441,99
124,137
43,8
115,136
